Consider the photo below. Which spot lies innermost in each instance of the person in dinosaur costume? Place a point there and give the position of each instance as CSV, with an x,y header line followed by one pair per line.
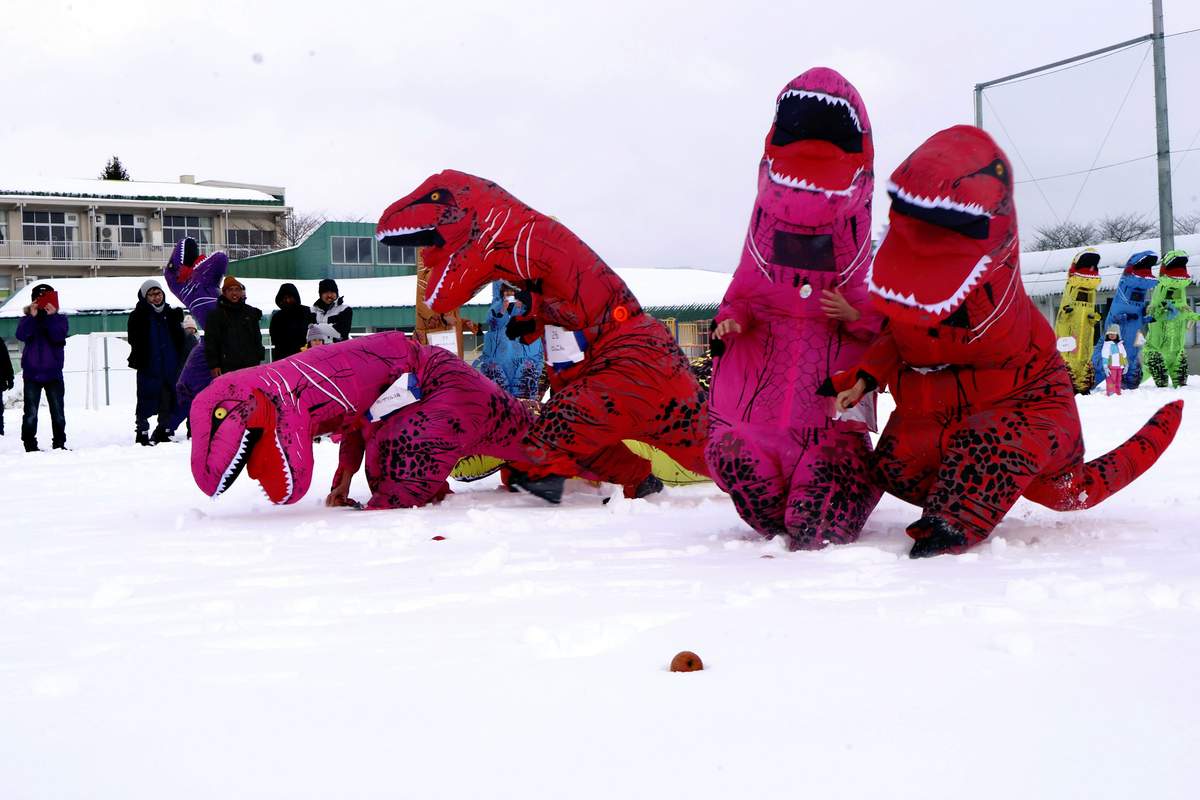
x,y
1128,312
410,410
195,279
1075,324
1165,354
516,366
985,412
795,311
615,372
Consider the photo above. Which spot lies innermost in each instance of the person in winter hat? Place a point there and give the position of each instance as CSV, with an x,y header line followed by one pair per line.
x,y
332,308
289,324
232,339
6,379
44,332
320,333
157,348
1112,353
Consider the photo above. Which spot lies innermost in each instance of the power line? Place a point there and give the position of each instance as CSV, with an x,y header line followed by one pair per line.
x,y
1184,150
1024,163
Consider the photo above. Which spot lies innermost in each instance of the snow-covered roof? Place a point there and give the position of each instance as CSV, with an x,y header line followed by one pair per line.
x,y
133,190
1045,272
652,287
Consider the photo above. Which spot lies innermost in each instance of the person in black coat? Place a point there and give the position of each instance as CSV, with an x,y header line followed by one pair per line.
x,y
290,323
6,379
332,309
156,351
232,339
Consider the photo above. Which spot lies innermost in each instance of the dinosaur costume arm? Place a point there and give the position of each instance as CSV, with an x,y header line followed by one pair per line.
x,y
882,360
350,458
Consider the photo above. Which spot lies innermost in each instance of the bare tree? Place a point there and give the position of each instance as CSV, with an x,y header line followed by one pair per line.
x,y
299,224
1063,235
1187,223
1125,227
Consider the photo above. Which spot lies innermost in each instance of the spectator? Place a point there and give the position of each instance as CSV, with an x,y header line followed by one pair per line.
x,y
44,332
156,350
289,324
6,379
191,334
319,334
232,339
333,309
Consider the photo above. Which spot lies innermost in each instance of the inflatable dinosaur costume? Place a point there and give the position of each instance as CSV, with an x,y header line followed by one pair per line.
x,y
790,468
1164,354
195,279
1075,324
411,410
616,373
985,412
1128,313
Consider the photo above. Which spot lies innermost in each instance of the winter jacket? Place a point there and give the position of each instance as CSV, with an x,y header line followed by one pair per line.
x,y
232,339
6,370
289,325
337,314
45,338
1113,354
156,340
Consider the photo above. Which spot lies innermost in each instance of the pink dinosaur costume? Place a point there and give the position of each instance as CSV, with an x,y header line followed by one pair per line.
x,y
412,410
773,446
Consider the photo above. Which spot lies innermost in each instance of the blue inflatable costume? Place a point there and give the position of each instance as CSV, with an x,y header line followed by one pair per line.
x,y
1128,312
516,366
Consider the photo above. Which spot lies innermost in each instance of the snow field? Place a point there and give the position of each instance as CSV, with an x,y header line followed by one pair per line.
x,y
155,643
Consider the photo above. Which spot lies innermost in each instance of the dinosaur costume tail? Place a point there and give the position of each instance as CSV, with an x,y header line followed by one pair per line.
x,y
1098,479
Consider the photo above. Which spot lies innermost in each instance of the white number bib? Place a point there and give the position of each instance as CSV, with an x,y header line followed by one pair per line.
x,y
563,347
403,392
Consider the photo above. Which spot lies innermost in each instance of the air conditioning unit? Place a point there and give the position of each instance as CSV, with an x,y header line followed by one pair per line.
x,y
106,245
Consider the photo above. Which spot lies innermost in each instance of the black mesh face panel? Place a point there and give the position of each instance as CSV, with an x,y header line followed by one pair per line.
x,y
804,251
802,117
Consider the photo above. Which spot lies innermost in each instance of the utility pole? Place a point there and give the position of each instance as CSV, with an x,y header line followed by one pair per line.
x,y
1166,205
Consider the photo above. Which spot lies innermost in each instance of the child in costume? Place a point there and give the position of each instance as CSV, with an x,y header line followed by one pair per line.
x,y
1165,354
1112,352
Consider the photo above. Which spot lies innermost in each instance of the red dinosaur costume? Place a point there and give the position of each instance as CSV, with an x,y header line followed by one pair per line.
x,y
985,411
615,372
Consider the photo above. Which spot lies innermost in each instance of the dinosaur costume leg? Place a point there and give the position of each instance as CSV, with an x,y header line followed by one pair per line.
x,y
411,453
1156,365
747,467
828,500
1179,372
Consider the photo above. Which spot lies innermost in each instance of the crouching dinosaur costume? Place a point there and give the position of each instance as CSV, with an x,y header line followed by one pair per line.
x,y
1165,354
791,468
1075,324
615,373
985,411
410,410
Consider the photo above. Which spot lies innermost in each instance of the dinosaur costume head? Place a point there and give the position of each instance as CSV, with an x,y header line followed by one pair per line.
x,y
1085,264
1174,265
1141,264
241,421
952,232
455,217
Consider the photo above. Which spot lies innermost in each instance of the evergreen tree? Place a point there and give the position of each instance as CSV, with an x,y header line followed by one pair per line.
x,y
114,170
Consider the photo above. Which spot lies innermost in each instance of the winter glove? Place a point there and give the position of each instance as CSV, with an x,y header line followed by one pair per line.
x,y
715,346
8,384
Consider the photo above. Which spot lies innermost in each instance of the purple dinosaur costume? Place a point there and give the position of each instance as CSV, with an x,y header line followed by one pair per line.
x,y
773,446
196,282
412,411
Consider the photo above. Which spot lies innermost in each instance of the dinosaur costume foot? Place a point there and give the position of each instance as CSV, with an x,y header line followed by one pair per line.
x,y
549,488
651,485
935,537
1157,367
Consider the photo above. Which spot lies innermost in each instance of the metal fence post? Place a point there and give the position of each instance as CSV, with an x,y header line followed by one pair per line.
x,y
106,394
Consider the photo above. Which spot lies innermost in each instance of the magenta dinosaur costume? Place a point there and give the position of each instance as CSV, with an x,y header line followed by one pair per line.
x,y
616,373
196,281
773,446
412,411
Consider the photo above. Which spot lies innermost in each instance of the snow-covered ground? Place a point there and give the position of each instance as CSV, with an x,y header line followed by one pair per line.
x,y
156,644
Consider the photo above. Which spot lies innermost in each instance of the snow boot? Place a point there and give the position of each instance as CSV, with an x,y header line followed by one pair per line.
x,y
549,488
935,537
142,439
160,436
651,485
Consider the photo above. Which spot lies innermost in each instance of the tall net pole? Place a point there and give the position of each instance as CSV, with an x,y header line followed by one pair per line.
x,y
1166,205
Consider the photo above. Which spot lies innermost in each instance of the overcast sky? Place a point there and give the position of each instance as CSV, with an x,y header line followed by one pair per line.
x,y
638,124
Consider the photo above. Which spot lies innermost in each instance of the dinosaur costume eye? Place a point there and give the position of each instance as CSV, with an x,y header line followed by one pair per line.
x,y
221,413
435,196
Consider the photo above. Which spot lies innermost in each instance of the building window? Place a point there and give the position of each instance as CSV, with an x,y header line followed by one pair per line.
x,y
176,228
350,249
243,243
3,226
387,254
54,227
119,229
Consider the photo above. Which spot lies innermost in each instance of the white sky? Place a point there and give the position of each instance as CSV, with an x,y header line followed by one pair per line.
x,y
638,124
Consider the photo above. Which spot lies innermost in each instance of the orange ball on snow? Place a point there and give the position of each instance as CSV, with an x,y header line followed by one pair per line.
x,y
687,661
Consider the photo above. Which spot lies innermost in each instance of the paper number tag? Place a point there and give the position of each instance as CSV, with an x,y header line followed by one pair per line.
x,y
563,347
404,392
1066,344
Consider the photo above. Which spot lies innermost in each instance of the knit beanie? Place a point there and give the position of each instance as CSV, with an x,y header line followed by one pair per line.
x,y
327,285
147,285
190,322
231,281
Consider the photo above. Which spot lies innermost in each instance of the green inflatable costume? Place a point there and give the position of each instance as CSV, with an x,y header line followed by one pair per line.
x,y
1075,325
1164,353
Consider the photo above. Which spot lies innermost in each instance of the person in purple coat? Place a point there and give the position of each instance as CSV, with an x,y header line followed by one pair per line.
x,y
44,333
